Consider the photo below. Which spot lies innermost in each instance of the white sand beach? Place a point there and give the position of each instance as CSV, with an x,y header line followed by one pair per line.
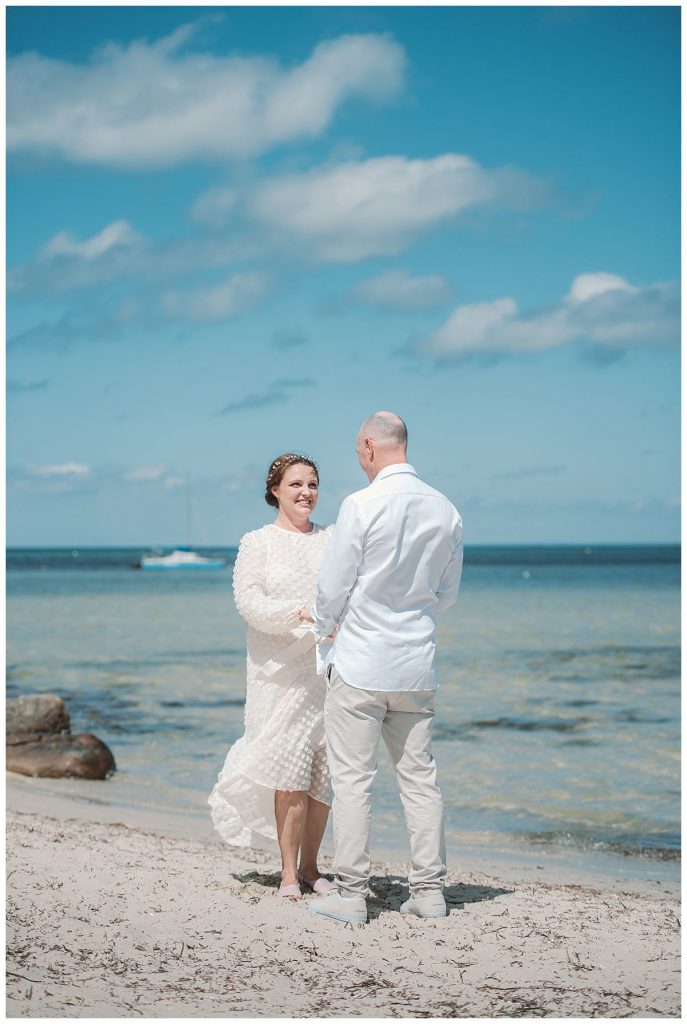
x,y
110,920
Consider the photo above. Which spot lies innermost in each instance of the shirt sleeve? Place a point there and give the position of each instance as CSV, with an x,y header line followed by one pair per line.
x,y
262,612
339,570
450,579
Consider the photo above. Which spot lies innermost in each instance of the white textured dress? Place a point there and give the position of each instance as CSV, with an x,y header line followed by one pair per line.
x,y
283,745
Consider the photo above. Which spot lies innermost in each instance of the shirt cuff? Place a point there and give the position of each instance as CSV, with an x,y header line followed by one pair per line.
x,y
320,629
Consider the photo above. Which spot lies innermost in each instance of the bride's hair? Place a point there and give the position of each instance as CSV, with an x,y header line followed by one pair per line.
x,y
279,467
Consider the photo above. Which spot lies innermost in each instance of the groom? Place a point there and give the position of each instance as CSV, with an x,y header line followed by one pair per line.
x,y
394,561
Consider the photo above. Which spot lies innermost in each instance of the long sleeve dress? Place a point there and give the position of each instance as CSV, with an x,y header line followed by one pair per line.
x,y
283,746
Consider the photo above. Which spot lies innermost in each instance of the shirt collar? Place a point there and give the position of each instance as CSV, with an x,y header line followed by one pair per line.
x,y
398,467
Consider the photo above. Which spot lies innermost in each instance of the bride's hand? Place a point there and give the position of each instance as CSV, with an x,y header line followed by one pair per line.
x,y
305,616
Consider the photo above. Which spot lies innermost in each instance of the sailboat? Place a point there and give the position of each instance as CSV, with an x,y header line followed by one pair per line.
x,y
183,556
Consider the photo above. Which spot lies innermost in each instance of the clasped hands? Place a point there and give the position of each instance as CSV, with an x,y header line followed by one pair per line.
x,y
305,616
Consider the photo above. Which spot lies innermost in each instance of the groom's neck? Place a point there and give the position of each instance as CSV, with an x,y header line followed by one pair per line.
x,y
397,457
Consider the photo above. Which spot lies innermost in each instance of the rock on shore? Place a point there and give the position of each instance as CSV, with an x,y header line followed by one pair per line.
x,y
82,756
36,713
39,743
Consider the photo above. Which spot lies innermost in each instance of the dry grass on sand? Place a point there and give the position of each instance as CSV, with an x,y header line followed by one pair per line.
x,y
106,920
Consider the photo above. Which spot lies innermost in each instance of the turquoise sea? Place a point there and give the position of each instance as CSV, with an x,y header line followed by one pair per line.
x,y
558,719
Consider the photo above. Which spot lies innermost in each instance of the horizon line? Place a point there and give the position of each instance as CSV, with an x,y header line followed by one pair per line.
x,y
472,544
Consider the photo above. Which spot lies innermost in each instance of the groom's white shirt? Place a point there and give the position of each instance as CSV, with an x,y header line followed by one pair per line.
x,y
395,560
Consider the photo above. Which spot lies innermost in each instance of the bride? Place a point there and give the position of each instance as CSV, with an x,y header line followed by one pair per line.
x,y
275,780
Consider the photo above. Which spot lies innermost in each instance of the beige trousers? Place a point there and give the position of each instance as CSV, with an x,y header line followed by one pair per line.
x,y
353,721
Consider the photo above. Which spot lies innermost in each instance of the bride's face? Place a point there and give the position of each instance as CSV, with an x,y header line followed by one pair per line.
x,y
297,492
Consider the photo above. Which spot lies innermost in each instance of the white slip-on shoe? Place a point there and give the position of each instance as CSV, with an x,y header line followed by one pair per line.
x,y
335,907
290,892
320,885
431,904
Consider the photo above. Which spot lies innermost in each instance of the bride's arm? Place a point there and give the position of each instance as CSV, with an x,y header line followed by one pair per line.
x,y
267,614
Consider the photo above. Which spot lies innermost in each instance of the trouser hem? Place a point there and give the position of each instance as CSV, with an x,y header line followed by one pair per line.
x,y
427,890
351,890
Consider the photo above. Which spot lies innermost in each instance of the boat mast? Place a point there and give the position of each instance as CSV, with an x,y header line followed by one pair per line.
x,y
188,511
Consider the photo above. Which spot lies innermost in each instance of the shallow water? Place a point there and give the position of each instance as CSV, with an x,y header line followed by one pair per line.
x,y
558,717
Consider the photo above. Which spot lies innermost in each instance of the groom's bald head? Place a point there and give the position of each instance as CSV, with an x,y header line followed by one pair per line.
x,y
382,441
385,428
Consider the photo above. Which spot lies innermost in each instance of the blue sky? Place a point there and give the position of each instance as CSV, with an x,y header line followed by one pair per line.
x,y
234,232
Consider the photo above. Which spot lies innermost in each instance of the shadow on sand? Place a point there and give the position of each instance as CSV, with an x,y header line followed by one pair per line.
x,y
388,892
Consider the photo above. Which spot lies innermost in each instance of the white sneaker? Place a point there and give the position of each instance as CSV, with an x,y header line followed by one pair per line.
x,y
335,907
431,904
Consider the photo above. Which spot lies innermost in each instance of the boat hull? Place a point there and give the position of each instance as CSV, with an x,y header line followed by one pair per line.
x,y
182,568
180,560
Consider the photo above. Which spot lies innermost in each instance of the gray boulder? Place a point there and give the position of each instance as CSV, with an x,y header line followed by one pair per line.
x,y
36,712
82,756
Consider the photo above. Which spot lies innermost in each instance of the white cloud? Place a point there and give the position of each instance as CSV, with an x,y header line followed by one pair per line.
x,y
397,289
237,294
118,252
601,309
64,469
158,104
147,473
65,262
587,286
353,210
118,235
342,212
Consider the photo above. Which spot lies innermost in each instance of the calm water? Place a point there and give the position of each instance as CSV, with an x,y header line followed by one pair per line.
x,y
559,705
